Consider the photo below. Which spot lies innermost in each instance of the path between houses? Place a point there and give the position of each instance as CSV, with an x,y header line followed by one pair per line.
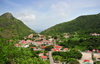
x,y
50,58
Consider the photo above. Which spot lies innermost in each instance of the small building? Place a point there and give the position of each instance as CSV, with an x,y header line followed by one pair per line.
x,y
26,46
17,45
44,58
43,47
93,50
33,48
47,54
41,54
65,49
57,47
86,60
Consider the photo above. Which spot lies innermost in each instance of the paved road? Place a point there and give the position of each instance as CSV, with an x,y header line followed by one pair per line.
x,y
50,58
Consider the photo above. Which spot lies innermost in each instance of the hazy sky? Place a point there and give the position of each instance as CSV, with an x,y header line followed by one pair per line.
x,y
42,14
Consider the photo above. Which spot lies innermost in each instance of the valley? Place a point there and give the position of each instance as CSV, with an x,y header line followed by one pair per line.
x,y
73,42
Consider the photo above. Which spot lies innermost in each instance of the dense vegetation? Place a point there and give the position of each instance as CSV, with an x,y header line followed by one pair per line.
x,y
11,27
83,25
67,57
9,54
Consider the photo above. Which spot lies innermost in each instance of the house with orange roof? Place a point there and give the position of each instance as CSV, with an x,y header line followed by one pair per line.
x,y
57,47
43,48
17,45
56,50
33,48
30,36
47,54
41,54
65,49
44,58
51,39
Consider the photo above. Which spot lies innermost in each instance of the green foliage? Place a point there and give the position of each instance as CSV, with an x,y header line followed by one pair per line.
x,y
73,61
97,62
73,53
82,25
32,45
57,58
11,27
86,43
17,55
48,48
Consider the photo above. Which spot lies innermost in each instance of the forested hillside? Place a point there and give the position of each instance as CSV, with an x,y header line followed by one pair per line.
x,y
82,24
11,27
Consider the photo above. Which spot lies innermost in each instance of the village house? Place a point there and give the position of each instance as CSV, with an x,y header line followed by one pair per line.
x,y
49,36
26,46
47,54
41,54
57,47
66,36
35,49
44,58
43,48
22,42
94,34
51,39
17,45
65,49
29,41
30,36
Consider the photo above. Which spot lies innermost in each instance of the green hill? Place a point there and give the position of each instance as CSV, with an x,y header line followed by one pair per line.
x,y
11,27
82,24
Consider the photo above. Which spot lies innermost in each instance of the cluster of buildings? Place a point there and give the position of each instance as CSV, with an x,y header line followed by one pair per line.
x,y
94,34
97,51
38,41
44,57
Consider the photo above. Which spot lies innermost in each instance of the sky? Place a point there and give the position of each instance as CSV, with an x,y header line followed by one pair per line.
x,y
43,14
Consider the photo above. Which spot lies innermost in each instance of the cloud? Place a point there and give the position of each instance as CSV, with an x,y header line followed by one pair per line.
x,y
27,18
60,9
60,6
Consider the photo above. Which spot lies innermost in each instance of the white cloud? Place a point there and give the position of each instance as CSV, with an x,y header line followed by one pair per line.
x,y
63,14
60,6
60,9
27,18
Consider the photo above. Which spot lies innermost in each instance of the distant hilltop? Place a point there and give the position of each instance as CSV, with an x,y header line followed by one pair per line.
x,y
85,24
12,27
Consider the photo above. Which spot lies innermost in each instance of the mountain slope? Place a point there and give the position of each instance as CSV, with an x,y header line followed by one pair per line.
x,y
12,27
84,24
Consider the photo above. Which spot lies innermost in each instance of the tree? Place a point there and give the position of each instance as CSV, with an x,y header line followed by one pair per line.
x,y
75,54
73,61
48,48
57,58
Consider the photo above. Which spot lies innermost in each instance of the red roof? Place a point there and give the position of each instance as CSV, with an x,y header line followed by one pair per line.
x,y
86,60
93,50
43,56
65,48
24,42
43,47
98,51
57,46
17,45
56,50
47,54
10,40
